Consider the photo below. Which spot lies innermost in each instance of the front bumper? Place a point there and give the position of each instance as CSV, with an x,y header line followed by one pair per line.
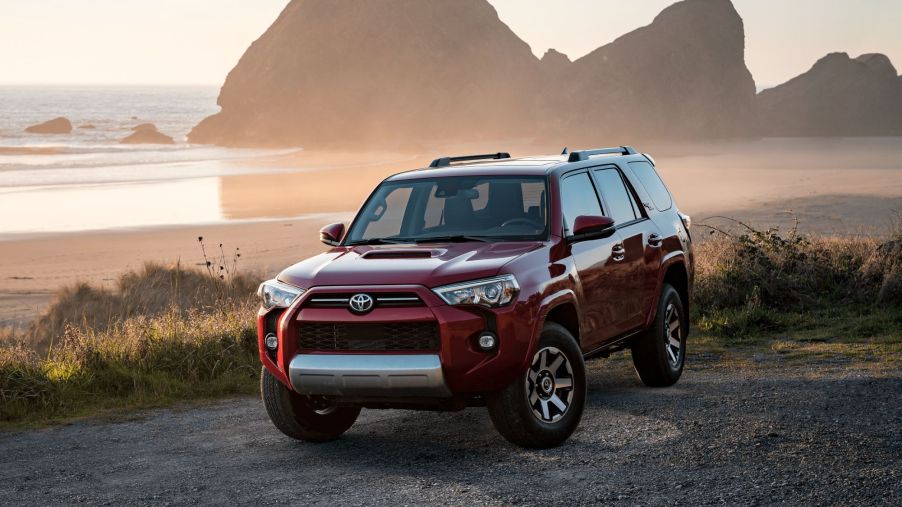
x,y
361,375
456,366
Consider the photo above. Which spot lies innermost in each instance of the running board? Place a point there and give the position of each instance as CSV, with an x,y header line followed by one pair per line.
x,y
616,345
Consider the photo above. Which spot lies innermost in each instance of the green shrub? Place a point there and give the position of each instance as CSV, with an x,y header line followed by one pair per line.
x,y
749,282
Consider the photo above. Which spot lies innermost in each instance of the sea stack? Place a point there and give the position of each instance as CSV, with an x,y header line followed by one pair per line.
x,y
838,96
147,133
411,73
378,73
682,76
55,126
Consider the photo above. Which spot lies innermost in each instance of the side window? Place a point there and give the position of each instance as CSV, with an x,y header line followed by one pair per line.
x,y
578,198
653,184
618,202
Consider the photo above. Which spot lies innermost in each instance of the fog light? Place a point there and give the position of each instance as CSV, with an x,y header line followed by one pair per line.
x,y
272,341
487,341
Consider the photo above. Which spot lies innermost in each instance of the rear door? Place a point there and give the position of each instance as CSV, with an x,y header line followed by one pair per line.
x,y
639,250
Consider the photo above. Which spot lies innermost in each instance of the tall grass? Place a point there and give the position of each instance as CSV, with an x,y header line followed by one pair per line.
x,y
143,361
162,334
761,280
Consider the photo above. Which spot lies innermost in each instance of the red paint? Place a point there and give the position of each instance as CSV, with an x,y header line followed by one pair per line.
x,y
612,298
587,224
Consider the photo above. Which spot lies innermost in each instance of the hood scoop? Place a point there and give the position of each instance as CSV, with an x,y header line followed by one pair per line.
x,y
402,253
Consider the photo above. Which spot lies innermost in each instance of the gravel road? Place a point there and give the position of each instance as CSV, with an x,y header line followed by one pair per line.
x,y
752,435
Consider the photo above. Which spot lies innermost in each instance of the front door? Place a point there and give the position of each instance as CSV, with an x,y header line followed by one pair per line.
x,y
595,264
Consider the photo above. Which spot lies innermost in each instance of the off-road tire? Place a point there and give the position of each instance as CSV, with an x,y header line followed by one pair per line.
x,y
653,363
512,412
294,416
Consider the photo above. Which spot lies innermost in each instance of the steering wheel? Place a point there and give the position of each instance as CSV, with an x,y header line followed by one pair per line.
x,y
523,221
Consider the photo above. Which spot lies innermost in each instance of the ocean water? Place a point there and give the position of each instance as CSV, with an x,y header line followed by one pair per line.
x,y
87,180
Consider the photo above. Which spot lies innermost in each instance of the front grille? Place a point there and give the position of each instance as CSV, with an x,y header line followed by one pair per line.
x,y
390,336
381,299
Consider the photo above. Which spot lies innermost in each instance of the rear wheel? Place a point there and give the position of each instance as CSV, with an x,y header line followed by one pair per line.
x,y
660,352
309,418
543,407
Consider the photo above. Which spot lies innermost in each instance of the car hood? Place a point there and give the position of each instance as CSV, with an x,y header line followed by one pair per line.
x,y
429,265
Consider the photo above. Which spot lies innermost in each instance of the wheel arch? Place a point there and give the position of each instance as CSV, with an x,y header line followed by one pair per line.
x,y
566,315
559,307
676,274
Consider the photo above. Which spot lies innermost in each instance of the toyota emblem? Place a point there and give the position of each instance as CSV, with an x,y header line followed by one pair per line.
x,y
361,303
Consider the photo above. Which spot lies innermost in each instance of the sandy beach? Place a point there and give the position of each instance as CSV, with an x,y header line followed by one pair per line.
x,y
832,186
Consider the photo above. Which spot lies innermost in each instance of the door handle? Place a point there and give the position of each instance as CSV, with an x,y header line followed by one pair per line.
x,y
618,252
654,240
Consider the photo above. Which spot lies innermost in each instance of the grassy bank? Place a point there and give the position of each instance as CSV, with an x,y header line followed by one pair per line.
x,y
165,334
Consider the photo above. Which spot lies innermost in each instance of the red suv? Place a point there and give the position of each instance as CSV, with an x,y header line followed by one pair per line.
x,y
482,281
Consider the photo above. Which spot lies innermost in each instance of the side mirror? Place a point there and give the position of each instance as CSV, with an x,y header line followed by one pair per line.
x,y
591,227
332,234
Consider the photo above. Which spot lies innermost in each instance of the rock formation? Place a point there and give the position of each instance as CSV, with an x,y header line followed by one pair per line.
x,y
408,73
147,133
378,73
682,76
144,126
839,96
55,126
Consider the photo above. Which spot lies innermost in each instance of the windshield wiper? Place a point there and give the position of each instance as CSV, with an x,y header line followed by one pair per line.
x,y
379,241
457,238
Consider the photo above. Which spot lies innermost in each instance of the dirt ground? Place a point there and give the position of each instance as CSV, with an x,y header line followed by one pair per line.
x,y
822,433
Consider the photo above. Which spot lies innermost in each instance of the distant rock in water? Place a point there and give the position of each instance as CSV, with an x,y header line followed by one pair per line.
x,y
378,73
839,96
55,126
87,126
147,134
144,126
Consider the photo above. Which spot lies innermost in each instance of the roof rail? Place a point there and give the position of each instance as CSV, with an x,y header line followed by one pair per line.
x,y
581,155
447,161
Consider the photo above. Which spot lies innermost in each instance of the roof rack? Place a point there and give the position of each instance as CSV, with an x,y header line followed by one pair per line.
x,y
581,155
447,161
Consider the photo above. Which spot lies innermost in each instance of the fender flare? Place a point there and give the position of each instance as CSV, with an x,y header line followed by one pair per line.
x,y
671,259
549,303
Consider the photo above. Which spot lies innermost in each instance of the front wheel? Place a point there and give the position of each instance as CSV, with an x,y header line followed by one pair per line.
x,y
543,407
659,353
304,417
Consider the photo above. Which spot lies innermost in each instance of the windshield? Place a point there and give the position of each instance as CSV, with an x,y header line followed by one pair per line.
x,y
462,208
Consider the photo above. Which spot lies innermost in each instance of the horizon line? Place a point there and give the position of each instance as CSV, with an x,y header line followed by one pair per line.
x,y
124,85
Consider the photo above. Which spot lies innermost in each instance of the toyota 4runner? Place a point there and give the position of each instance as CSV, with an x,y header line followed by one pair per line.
x,y
482,281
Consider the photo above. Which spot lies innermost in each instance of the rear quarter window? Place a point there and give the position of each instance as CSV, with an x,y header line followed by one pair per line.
x,y
649,179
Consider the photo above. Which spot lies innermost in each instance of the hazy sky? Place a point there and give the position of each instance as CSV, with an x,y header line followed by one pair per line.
x,y
198,41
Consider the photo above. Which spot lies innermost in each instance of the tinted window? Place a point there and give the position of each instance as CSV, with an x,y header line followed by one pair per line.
x,y
578,198
618,203
653,184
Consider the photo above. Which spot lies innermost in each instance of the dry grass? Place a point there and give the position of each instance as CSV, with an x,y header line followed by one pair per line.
x,y
152,291
759,281
163,334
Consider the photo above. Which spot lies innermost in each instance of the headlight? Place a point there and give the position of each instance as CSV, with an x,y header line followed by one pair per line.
x,y
491,292
276,294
